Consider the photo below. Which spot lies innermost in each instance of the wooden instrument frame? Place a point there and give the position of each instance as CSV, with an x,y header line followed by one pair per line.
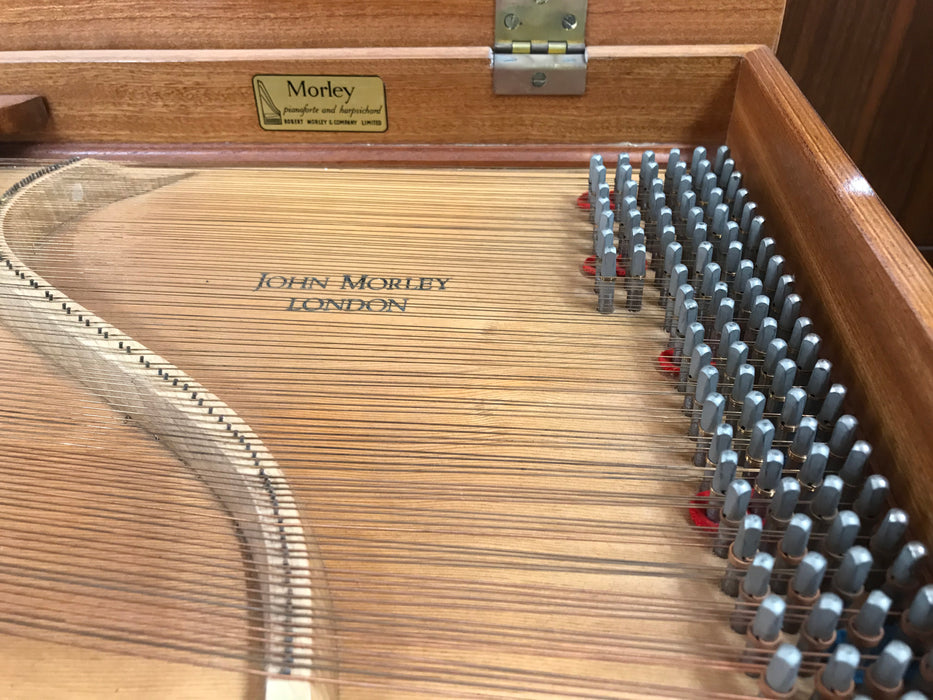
x,y
180,100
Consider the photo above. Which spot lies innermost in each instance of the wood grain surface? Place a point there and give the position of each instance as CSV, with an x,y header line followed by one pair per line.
x,y
20,113
865,68
857,270
249,24
433,96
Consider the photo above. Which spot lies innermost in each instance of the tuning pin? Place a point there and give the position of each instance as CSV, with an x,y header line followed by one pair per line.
x,y
917,621
700,386
751,290
818,632
807,357
784,288
680,294
804,588
849,580
736,195
757,316
790,312
780,678
677,279
723,474
841,441
900,578
768,477
837,678
791,413
606,281
735,504
764,633
884,544
870,502
741,553
817,386
695,354
781,384
728,168
745,270
812,470
853,469
885,677
801,442
752,590
707,185
841,536
767,333
766,248
759,443
783,504
722,155
774,353
865,629
710,417
802,327
825,504
754,233
830,410
636,278
791,549
742,385
773,271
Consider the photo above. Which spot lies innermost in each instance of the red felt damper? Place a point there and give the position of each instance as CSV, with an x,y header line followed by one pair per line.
x,y
697,511
583,201
666,362
589,268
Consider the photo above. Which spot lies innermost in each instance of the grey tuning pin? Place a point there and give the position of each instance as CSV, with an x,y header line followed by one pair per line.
x,y
699,154
722,154
824,616
811,471
901,571
757,313
738,496
869,621
781,383
711,416
742,386
720,441
738,198
735,504
728,168
802,327
752,409
853,570
755,583
743,273
790,311
770,473
887,672
842,533
748,537
830,410
803,440
841,440
825,503
920,612
854,466
759,443
775,353
818,385
749,211
773,272
736,355
725,471
796,536
678,279
785,499
755,231
767,332
887,538
871,500
785,287
792,412
697,355
808,577
701,385
769,619
751,290
807,355
707,184
783,668
838,676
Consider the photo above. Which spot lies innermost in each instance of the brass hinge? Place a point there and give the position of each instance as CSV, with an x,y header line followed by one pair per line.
x,y
539,47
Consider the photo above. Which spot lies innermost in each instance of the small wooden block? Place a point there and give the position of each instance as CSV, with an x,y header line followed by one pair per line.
x,y
22,113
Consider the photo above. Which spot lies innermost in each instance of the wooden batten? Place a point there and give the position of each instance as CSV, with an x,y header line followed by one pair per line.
x,y
247,24
433,96
874,289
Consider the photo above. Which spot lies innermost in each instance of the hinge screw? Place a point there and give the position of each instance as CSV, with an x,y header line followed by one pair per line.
x,y
512,21
539,79
568,22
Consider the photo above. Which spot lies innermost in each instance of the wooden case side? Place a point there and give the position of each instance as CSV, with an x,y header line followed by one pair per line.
x,y
875,289
433,96
248,24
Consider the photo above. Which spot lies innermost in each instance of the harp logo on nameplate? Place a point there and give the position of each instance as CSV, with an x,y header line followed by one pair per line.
x,y
320,102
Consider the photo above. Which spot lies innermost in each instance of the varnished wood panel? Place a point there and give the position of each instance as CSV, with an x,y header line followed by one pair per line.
x,y
433,96
865,67
174,24
856,269
21,113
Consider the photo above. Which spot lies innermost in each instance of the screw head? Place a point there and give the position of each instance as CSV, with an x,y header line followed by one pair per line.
x,y
539,79
568,22
512,21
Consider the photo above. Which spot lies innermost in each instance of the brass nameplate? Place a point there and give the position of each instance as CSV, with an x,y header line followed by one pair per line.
x,y
320,102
